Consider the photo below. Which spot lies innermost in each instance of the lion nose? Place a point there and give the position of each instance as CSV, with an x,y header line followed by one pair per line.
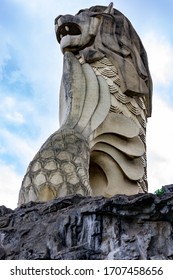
x,y
62,19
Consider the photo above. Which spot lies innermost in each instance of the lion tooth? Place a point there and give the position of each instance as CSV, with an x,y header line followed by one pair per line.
x,y
61,36
66,28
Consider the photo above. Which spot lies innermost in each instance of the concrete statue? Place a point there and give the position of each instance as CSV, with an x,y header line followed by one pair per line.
x,y
105,100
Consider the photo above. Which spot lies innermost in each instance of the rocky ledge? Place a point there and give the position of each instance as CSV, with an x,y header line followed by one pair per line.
x,y
138,227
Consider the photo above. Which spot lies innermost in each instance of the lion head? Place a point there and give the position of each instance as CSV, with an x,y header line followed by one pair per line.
x,y
104,31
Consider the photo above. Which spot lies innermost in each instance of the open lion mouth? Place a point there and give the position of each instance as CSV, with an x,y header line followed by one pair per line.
x,y
69,28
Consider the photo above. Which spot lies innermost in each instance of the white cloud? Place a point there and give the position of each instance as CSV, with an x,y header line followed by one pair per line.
x,y
10,184
160,55
16,117
22,149
9,110
159,145
160,130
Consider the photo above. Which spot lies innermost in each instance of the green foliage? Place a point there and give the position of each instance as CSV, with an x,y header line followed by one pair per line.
x,y
159,191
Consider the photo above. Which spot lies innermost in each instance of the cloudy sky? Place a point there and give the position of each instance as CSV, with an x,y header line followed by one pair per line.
x,y
30,73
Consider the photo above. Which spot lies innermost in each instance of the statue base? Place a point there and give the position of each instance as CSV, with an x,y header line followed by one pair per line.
x,y
137,227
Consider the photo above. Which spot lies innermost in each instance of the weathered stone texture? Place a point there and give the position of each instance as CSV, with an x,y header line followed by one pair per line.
x,y
76,227
105,100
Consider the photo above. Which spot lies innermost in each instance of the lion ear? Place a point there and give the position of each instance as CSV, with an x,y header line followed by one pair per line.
x,y
109,9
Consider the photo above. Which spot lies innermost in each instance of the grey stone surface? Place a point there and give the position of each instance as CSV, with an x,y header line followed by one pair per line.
x,y
77,227
106,89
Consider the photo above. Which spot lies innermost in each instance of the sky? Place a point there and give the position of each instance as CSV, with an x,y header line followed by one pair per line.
x,y
30,74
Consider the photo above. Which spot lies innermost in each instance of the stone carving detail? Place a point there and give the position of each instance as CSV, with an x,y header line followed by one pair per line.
x,y
105,99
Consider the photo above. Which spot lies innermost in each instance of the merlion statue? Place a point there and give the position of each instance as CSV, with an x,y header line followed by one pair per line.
x,y
105,99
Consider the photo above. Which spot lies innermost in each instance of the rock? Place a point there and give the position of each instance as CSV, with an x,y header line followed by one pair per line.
x,y
168,188
137,227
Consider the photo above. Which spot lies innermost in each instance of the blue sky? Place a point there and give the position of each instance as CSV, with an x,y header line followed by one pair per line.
x,y
30,73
